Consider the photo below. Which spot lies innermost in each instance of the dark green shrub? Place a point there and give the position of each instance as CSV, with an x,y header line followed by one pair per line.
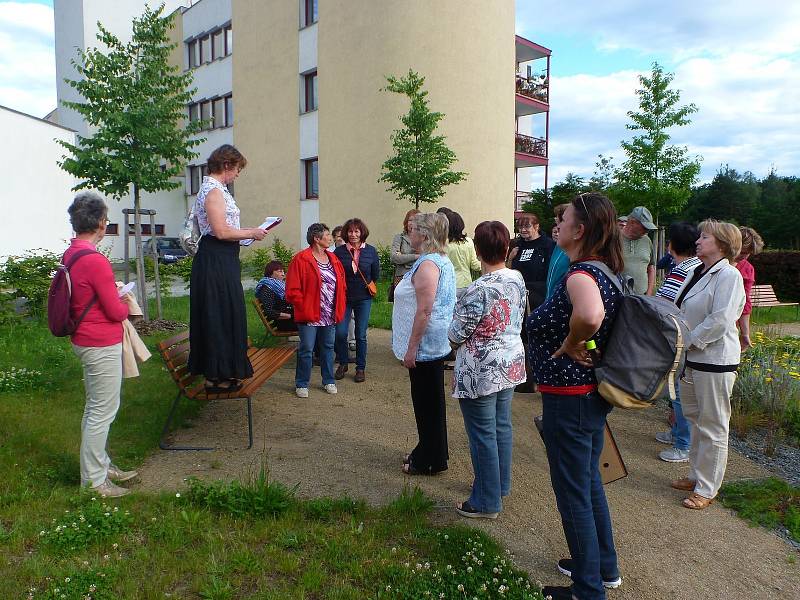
x,y
28,276
282,252
385,257
254,261
781,269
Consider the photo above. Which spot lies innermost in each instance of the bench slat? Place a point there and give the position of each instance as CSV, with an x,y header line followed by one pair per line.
x,y
175,339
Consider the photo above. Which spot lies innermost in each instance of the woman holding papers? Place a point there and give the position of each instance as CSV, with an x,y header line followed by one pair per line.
x,y
218,319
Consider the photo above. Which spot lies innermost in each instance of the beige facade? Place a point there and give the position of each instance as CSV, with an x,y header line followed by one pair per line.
x,y
464,48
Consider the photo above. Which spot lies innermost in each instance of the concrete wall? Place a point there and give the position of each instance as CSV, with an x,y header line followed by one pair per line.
x,y
37,192
266,113
465,49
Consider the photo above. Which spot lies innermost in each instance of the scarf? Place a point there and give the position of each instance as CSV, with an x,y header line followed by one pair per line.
x,y
276,285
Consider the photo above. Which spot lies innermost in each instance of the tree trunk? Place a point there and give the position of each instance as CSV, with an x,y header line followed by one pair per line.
x,y
140,277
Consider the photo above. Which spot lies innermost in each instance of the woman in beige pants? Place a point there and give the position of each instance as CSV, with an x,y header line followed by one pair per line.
x,y
712,299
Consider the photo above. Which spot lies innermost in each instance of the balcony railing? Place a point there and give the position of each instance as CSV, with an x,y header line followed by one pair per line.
x,y
536,88
531,145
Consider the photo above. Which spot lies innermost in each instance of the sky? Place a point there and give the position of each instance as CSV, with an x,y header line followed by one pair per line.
x,y
738,61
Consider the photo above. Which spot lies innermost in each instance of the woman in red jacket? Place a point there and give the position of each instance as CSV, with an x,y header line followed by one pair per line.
x,y
315,286
97,341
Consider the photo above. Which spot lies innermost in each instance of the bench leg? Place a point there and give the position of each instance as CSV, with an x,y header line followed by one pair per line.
x,y
162,444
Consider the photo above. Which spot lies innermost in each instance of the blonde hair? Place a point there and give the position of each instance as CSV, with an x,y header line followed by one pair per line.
x,y
752,243
434,228
728,236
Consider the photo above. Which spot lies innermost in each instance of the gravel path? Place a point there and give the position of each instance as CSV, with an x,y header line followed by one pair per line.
x,y
352,443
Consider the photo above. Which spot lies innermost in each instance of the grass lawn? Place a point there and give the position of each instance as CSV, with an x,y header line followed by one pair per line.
x,y
770,316
219,541
771,503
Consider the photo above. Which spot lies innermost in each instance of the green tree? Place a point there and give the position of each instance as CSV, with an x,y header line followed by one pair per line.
x,y
134,103
419,171
656,174
731,196
542,202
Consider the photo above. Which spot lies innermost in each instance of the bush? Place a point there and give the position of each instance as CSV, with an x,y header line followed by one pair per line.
x,y
28,276
781,269
385,258
282,252
254,262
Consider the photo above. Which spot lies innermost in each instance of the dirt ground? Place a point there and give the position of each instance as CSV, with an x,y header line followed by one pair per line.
x,y
352,443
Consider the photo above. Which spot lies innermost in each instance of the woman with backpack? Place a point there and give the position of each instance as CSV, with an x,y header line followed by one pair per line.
x,y
712,299
582,307
97,341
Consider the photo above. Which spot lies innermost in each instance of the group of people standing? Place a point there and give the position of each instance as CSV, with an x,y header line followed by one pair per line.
x,y
526,318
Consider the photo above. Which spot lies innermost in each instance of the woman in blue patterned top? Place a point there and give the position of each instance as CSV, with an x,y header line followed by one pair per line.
x,y
490,362
423,309
582,307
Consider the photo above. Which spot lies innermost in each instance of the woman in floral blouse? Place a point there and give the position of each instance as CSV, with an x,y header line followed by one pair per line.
x,y
490,362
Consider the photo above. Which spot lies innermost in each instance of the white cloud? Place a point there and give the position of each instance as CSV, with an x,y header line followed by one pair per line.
x,y
27,60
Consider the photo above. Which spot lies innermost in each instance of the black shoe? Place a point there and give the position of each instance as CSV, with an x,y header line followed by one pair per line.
x,y
565,565
340,371
465,509
557,592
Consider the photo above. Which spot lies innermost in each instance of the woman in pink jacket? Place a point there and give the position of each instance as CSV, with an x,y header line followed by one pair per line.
x,y
97,341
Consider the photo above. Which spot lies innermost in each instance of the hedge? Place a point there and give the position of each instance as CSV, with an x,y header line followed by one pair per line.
x,y
781,269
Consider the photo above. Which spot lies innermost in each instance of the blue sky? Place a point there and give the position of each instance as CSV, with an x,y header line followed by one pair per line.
x,y
738,61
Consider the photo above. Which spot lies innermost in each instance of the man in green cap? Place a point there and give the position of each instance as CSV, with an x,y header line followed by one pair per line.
x,y
637,251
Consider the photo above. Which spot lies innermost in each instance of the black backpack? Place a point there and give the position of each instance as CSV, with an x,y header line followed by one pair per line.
x,y
645,350
59,316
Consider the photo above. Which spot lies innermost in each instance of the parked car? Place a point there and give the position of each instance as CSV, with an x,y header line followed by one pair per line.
x,y
169,250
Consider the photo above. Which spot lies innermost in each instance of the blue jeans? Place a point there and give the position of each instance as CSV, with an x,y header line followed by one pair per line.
x,y
573,435
308,337
487,420
681,436
360,309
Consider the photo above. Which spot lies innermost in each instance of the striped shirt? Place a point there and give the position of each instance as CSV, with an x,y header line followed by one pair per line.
x,y
327,296
676,277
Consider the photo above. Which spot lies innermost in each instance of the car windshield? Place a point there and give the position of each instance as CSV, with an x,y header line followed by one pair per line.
x,y
167,243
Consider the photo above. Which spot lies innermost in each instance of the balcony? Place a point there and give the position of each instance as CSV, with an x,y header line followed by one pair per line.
x,y
520,198
533,94
529,151
528,50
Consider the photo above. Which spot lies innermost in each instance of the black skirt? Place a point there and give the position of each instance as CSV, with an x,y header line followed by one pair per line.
x,y
217,314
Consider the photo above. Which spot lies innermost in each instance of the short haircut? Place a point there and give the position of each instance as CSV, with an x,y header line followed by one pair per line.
x,y
683,238
272,266
728,236
491,241
355,223
558,211
527,218
87,212
315,232
455,231
433,227
337,230
407,218
225,157
752,243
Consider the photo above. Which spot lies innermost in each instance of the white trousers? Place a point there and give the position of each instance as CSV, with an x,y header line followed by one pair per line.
x,y
102,379
706,403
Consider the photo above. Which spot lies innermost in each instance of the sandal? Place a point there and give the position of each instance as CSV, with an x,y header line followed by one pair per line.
x,y
684,484
695,501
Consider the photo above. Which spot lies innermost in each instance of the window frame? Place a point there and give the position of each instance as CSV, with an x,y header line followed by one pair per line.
x,y
228,39
206,38
310,91
309,166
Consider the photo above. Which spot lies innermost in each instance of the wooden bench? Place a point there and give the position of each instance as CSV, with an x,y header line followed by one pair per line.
x,y
273,331
763,296
175,353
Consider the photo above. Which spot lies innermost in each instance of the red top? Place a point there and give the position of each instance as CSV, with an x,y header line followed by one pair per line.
x,y
749,277
92,276
303,283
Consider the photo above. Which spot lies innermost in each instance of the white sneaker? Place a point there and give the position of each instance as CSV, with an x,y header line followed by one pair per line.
x,y
109,490
665,437
117,474
351,346
301,392
674,455
330,388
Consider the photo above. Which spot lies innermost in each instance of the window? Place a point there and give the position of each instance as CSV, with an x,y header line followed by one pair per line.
x,y
218,44
219,112
228,41
310,84
194,112
206,112
195,176
194,53
112,229
228,111
145,229
312,177
310,12
205,49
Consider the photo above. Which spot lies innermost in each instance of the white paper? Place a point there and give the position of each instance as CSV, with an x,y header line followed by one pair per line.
x,y
128,287
268,224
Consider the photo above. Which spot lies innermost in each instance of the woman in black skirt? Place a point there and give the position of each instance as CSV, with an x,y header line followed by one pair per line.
x,y
218,320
